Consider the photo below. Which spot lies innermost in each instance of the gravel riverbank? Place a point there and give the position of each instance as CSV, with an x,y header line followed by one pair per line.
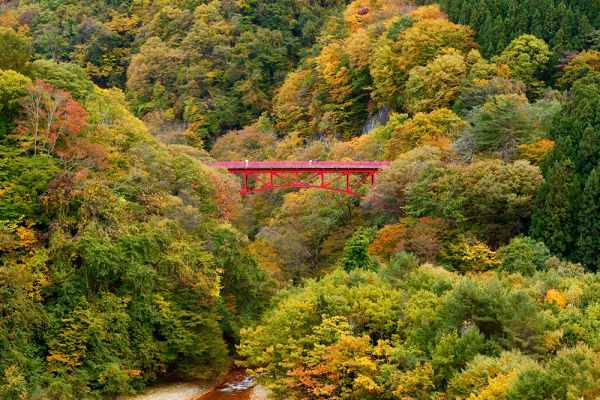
x,y
236,387
174,391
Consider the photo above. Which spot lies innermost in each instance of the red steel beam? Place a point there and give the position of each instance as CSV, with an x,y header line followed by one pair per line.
x,y
301,164
278,169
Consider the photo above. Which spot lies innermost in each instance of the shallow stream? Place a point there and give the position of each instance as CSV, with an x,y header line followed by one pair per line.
x,y
236,386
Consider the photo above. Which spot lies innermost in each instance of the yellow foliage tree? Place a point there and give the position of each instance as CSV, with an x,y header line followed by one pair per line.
x,y
365,147
430,36
266,256
423,129
535,152
334,72
471,255
427,39
249,143
153,72
428,12
386,74
435,85
552,340
579,66
415,383
358,48
292,102
358,14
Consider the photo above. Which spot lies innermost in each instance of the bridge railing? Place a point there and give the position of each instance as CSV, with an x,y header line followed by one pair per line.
x,y
302,164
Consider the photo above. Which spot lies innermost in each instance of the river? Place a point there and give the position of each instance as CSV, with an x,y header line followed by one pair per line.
x,y
236,386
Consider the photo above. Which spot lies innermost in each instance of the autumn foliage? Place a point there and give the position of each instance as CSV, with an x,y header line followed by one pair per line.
x,y
467,271
52,119
52,123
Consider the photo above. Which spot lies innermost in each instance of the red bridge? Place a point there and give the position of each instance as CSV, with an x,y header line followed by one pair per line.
x,y
343,177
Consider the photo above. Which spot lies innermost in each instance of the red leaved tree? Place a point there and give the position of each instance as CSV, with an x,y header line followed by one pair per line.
x,y
51,119
52,123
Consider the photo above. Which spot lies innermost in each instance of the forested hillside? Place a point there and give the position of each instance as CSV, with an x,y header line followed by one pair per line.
x,y
212,65
469,271
567,26
117,257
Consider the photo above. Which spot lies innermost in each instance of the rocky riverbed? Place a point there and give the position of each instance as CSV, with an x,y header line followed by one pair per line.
x,y
237,385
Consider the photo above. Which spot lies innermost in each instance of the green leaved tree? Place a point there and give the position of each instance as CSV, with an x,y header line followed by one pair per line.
x,y
356,254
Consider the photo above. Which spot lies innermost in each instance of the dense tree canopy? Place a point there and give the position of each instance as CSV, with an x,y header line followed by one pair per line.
x,y
567,25
469,270
415,331
113,250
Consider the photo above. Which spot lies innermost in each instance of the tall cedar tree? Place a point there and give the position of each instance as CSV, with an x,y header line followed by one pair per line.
x,y
554,219
589,222
576,130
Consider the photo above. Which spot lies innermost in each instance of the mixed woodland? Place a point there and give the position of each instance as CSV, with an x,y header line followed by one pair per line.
x,y
470,271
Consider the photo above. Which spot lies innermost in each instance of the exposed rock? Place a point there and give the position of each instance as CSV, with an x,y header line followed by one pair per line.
x,y
381,117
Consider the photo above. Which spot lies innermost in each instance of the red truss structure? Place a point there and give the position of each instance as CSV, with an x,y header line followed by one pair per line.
x,y
343,177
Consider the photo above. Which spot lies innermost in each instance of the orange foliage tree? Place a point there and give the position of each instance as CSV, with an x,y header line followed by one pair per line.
x,y
424,237
388,238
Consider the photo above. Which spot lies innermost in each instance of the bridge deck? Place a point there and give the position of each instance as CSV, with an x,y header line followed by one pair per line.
x,y
302,165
